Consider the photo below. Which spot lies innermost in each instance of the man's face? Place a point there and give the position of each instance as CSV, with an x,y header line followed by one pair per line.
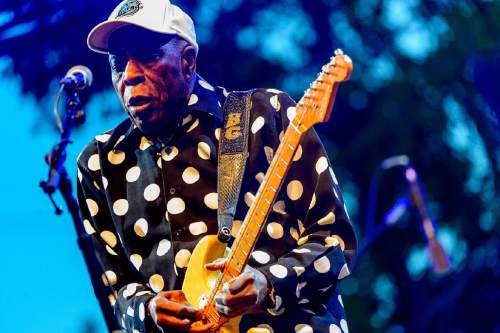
x,y
149,75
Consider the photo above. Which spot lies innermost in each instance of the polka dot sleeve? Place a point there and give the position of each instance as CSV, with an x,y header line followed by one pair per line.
x,y
322,232
126,296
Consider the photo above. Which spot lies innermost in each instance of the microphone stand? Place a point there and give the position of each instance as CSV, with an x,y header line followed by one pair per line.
x,y
57,155
439,259
373,230
59,180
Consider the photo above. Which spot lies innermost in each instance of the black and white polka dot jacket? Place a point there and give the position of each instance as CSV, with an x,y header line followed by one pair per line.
x,y
146,205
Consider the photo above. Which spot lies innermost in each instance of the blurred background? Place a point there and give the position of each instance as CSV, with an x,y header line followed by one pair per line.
x,y
426,84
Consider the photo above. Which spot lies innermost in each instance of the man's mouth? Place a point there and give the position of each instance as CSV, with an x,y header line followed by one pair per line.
x,y
139,100
139,103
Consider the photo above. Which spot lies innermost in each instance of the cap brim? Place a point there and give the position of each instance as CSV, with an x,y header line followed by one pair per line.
x,y
98,38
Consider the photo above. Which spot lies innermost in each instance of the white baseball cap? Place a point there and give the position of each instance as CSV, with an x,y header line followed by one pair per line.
x,y
154,15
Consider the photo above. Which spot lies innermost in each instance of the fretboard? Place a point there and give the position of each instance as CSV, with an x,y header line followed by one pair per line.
x,y
255,219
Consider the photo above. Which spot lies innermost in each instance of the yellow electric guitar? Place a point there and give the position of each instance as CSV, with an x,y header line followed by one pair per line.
x,y
201,285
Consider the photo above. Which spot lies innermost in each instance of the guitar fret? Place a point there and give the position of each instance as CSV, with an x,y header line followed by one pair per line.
x,y
257,224
245,248
296,128
241,250
260,211
229,272
248,229
246,242
283,161
238,262
231,265
235,255
277,174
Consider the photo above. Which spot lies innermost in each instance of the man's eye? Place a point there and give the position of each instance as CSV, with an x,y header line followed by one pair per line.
x,y
149,56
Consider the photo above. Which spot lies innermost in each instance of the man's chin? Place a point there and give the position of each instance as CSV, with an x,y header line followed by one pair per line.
x,y
154,123
147,127
146,120
154,129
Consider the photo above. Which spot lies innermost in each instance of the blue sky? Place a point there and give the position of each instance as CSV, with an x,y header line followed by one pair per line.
x,y
44,283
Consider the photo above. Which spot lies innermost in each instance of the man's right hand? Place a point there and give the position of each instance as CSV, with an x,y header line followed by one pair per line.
x,y
172,312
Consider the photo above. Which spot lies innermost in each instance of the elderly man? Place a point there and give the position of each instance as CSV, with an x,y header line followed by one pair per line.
x,y
148,190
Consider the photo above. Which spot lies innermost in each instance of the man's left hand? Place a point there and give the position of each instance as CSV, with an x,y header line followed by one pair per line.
x,y
242,295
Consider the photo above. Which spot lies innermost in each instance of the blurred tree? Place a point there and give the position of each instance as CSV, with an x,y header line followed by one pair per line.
x,y
418,65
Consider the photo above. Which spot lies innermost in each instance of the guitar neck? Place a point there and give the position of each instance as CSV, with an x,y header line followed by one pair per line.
x,y
253,224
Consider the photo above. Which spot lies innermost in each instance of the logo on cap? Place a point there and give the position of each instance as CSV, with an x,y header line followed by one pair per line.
x,y
130,7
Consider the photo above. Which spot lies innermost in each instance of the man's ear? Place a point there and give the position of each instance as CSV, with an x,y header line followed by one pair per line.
x,y
189,61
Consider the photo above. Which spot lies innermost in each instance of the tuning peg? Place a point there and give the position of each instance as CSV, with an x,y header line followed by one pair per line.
x,y
338,52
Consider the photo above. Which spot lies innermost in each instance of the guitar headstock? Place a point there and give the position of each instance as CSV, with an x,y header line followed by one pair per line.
x,y
317,103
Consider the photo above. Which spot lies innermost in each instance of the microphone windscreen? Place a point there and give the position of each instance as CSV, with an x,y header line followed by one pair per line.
x,y
84,71
398,160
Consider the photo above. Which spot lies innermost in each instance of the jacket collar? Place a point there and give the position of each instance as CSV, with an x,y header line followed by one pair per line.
x,y
206,98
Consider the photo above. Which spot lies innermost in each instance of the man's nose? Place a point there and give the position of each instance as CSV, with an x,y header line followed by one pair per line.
x,y
133,72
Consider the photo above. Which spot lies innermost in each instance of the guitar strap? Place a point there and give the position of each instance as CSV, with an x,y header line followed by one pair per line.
x,y
233,154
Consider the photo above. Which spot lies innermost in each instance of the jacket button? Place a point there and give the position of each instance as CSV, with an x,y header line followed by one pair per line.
x,y
172,191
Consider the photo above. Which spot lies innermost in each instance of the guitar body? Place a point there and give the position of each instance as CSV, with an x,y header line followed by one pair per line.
x,y
199,282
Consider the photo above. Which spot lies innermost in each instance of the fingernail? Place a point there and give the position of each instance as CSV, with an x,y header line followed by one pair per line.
x,y
221,309
220,299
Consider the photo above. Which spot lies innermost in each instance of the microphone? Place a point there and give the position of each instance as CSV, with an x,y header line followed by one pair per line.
x,y
394,161
439,258
77,78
